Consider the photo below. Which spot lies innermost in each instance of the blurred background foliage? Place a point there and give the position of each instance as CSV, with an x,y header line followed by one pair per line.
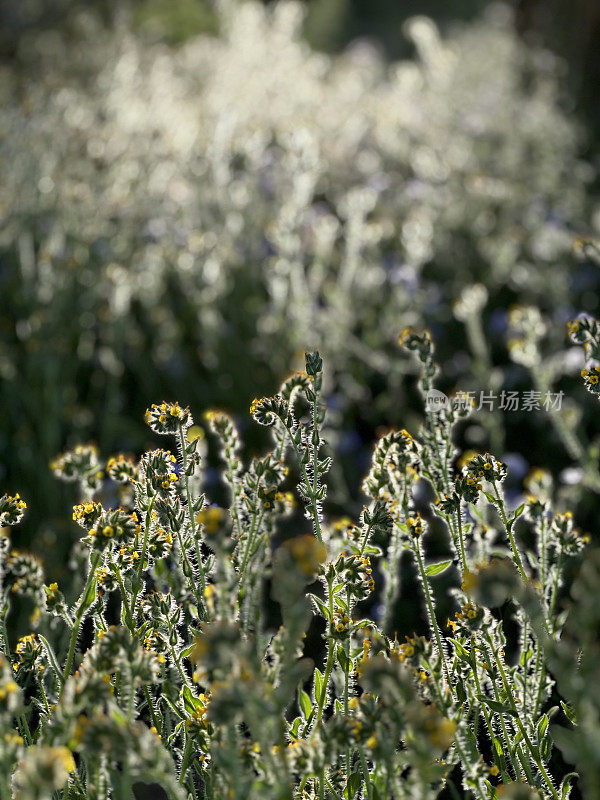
x,y
193,193
570,27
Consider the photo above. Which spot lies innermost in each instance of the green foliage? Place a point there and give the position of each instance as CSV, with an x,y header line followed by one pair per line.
x,y
184,679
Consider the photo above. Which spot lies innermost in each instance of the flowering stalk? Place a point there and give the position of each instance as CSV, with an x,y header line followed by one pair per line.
x,y
206,695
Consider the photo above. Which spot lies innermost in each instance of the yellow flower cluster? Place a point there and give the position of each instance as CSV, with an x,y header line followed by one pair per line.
x,y
406,650
165,418
341,625
307,552
10,687
120,468
415,525
87,513
11,509
212,518
197,716
13,738
408,333
591,378
573,326
468,612
21,504
24,642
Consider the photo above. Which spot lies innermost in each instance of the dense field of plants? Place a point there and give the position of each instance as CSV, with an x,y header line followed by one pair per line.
x,y
187,682
382,581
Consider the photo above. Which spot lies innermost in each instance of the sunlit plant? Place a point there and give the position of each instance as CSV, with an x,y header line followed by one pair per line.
x,y
171,667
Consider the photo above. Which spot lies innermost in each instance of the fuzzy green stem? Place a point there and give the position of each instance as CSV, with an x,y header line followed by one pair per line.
x,y
128,614
461,539
94,561
313,504
188,497
138,579
347,678
429,602
508,526
499,762
328,665
535,754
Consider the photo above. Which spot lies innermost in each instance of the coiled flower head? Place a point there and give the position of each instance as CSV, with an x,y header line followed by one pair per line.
x,y
117,651
356,574
28,651
25,572
585,331
115,525
468,486
121,468
87,514
80,464
55,600
485,467
420,342
166,418
265,410
591,379
11,509
569,538
414,525
157,474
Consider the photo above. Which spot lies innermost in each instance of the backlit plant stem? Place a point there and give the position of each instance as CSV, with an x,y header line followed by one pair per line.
x,y
94,561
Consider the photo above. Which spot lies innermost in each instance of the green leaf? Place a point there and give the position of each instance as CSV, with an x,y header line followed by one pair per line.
x,y
304,701
345,662
190,702
517,739
569,713
51,657
321,607
188,755
320,688
545,747
565,786
525,657
175,708
461,652
519,511
353,785
38,705
187,651
542,726
87,601
436,569
372,550
324,465
497,744
499,708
